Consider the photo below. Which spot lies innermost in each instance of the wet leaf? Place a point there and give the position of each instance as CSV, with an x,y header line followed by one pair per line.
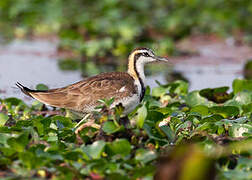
x,y
201,109
119,147
94,150
218,95
193,99
241,85
42,87
3,119
145,156
141,116
109,127
225,111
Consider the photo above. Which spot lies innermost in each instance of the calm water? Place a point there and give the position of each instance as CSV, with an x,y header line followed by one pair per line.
x,y
35,62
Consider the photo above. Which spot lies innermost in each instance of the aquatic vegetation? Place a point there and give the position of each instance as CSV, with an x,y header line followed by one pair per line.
x,y
199,134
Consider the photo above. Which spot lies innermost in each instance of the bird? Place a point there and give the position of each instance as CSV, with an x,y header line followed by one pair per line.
x,y
127,88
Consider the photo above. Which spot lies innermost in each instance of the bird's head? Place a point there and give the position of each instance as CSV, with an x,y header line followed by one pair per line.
x,y
145,55
138,58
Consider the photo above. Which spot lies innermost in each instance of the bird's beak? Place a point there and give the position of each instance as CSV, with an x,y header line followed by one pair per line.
x,y
161,59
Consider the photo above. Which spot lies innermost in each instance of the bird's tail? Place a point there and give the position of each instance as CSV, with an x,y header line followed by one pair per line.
x,y
24,89
53,97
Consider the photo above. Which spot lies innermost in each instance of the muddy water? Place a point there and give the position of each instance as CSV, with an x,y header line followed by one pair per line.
x,y
34,62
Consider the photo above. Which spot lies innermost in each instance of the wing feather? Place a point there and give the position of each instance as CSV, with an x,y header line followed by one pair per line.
x,y
86,93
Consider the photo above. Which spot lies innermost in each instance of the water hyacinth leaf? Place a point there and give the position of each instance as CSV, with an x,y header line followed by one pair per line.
x,y
145,156
42,87
141,116
19,143
62,122
179,87
3,119
168,132
193,99
94,150
212,118
13,101
154,116
218,95
241,85
119,147
247,108
37,105
241,98
201,109
159,91
39,126
238,130
30,160
109,127
225,111
3,138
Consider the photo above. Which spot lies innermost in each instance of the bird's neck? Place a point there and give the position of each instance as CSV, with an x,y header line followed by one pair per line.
x,y
136,69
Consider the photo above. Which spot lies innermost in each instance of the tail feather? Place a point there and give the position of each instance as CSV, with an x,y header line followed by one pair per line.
x,y
24,89
53,97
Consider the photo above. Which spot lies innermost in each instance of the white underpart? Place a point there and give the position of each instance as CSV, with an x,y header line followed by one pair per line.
x,y
129,103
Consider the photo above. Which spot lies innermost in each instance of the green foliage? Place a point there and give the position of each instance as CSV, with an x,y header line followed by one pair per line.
x,y
3,119
241,85
185,132
41,87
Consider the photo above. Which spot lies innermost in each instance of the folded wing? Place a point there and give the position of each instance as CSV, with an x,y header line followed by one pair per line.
x,y
84,94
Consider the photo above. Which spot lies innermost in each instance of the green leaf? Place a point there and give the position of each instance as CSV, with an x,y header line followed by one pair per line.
x,y
159,91
141,116
247,108
13,101
241,85
225,111
3,119
19,143
193,99
29,160
145,156
109,127
94,150
212,118
168,132
237,130
119,147
42,87
218,95
179,87
201,109
241,98
63,122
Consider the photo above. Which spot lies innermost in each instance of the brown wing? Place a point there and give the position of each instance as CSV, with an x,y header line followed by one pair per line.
x,y
86,93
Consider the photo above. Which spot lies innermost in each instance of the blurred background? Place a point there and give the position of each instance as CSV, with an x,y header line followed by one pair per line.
x,y
59,42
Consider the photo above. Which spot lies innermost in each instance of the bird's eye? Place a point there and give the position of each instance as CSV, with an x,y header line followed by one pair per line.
x,y
146,54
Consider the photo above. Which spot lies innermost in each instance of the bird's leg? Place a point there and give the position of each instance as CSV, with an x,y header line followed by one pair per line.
x,y
124,121
79,127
